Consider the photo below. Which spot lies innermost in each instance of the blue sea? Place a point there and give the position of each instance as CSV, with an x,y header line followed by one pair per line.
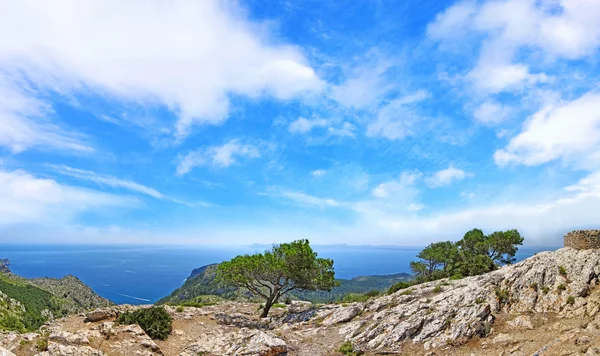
x,y
144,274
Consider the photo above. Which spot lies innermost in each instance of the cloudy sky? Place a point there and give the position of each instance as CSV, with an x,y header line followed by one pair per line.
x,y
363,122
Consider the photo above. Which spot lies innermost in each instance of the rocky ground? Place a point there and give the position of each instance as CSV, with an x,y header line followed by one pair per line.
x,y
546,305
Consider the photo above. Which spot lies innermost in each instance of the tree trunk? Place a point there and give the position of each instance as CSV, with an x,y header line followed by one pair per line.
x,y
266,309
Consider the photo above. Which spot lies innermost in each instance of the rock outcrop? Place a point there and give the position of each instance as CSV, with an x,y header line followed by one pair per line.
x,y
549,282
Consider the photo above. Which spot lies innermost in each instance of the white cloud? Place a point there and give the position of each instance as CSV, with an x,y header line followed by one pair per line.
x,y
387,189
363,88
318,173
188,55
498,77
569,130
557,28
446,177
27,199
346,129
25,122
303,125
398,120
217,156
490,112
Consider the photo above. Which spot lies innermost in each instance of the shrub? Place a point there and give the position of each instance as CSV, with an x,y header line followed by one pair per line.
x,y
155,321
348,350
42,343
353,298
437,289
456,277
406,292
373,293
179,309
534,286
561,287
479,300
279,305
502,295
396,287
570,300
545,289
562,270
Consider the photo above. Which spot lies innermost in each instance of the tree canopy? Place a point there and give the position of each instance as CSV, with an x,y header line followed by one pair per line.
x,y
474,254
272,274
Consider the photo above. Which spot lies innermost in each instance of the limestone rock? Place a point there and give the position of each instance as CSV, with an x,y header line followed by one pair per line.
x,y
299,306
521,321
343,315
5,352
55,349
241,321
100,315
245,342
466,307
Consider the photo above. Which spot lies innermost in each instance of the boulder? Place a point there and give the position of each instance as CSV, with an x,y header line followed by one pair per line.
x,y
343,315
100,315
298,306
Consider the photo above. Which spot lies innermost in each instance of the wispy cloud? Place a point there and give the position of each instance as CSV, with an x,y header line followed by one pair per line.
x,y
446,177
26,122
217,156
25,198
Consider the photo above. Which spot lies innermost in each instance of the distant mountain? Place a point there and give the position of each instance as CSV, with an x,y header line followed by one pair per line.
x,y
201,282
25,304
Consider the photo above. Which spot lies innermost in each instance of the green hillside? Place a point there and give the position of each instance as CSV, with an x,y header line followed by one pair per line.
x,y
202,282
27,304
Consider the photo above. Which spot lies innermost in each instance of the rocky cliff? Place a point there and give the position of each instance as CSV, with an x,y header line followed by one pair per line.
x,y
548,304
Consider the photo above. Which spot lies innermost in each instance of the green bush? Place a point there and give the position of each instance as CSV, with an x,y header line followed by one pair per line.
x,y
396,287
561,287
348,350
562,270
179,309
456,277
437,289
545,289
502,295
571,300
373,293
155,321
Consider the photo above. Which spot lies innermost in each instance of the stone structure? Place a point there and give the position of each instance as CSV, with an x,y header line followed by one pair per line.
x,y
583,239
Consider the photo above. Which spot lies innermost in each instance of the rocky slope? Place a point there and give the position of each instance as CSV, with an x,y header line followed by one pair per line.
x,y
548,304
201,282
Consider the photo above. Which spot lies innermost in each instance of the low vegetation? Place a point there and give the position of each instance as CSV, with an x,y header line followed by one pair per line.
x,y
348,350
155,321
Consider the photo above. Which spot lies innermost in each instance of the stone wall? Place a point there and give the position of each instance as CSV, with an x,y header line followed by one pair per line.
x,y
583,239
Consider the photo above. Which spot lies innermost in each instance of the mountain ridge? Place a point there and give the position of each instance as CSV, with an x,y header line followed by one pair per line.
x,y
202,282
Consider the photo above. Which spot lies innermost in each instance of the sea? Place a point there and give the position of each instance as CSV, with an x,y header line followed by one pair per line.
x,y
143,274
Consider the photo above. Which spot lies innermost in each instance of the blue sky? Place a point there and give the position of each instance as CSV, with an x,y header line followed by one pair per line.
x,y
365,122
